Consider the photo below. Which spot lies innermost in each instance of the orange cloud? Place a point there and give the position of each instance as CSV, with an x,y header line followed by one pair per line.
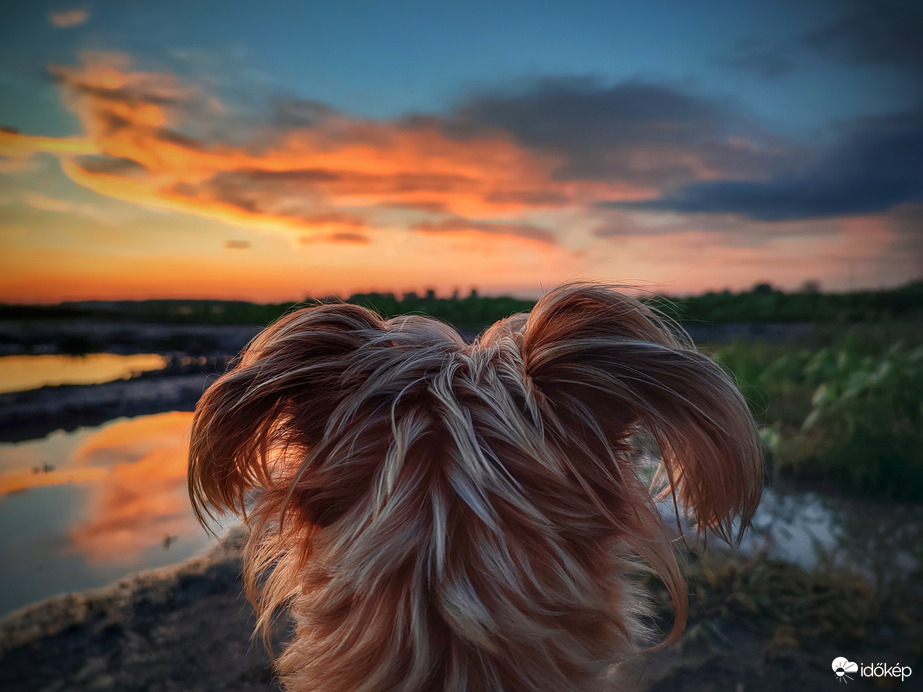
x,y
525,231
328,179
68,18
15,144
343,237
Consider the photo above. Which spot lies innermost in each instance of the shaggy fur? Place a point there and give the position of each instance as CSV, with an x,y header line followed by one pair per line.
x,y
447,516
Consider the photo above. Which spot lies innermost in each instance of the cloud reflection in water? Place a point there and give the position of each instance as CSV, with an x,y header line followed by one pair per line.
x,y
94,505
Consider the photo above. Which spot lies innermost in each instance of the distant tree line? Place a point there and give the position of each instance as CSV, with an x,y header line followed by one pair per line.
x,y
763,303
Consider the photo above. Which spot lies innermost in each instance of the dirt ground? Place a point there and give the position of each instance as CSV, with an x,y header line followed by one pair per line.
x,y
179,628
188,628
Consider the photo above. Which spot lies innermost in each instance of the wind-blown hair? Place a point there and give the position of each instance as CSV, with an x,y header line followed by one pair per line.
x,y
447,516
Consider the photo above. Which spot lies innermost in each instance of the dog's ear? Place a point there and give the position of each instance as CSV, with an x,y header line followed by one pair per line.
x,y
607,363
279,396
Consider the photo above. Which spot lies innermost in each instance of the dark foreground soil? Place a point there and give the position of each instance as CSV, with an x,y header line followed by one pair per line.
x,y
179,628
188,628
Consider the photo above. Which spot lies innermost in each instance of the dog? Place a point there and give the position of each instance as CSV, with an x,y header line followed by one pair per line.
x,y
443,515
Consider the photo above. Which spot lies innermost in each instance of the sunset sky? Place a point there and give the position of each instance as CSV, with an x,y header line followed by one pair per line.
x,y
270,151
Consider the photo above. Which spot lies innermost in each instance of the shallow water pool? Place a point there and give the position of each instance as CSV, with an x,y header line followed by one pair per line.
x,y
82,509
20,373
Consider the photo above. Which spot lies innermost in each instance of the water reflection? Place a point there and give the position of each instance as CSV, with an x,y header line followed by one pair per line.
x,y
142,498
881,541
19,373
84,508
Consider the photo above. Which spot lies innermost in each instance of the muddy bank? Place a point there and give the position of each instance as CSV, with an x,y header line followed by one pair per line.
x,y
178,628
34,413
77,336
754,626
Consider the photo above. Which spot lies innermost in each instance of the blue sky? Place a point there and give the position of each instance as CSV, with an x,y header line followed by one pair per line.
x,y
388,59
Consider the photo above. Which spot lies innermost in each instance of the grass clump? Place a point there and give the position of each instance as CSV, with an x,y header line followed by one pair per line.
x,y
849,412
791,609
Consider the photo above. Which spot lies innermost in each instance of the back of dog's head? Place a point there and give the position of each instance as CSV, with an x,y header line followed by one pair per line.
x,y
439,515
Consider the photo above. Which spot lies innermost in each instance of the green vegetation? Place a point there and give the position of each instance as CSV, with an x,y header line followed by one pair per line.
x,y
848,411
766,304
473,312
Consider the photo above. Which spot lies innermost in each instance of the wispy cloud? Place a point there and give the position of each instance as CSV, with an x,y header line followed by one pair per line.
x,y
458,225
318,170
322,171
635,133
345,237
15,144
883,33
68,18
42,202
873,167
765,61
